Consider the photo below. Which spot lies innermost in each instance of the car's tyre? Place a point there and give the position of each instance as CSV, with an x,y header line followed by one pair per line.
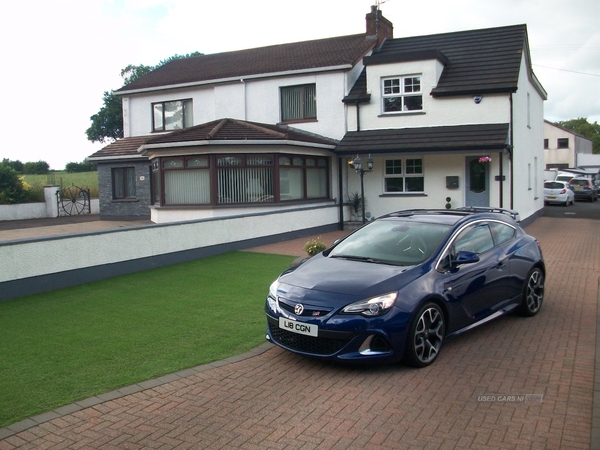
x,y
533,293
425,336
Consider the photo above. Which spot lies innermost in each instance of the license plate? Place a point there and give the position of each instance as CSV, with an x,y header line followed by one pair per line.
x,y
298,327
578,188
551,198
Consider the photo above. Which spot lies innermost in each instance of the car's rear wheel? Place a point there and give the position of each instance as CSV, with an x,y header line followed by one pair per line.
x,y
425,336
533,293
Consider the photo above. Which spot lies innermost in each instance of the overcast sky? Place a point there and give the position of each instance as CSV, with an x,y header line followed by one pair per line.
x,y
59,56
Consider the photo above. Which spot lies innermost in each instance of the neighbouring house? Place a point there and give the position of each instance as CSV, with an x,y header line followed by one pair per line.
x,y
454,115
562,147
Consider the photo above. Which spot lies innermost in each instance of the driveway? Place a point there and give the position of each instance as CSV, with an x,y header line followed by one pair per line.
x,y
514,383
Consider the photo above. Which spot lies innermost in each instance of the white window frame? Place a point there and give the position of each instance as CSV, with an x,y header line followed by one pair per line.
x,y
403,175
401,89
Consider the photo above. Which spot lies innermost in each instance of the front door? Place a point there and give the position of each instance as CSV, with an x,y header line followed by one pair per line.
x,y
476,182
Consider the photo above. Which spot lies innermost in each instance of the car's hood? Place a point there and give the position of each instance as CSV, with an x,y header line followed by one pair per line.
x,y
346,277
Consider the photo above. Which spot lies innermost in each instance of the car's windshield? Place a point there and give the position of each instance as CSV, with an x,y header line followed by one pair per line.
x,y
554,185
579,182
392,242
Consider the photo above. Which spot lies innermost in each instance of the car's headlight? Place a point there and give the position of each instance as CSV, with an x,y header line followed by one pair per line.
x,y
372,307
273,289
272,298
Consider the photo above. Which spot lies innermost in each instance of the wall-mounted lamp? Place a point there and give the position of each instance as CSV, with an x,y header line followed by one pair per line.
x,y
357,163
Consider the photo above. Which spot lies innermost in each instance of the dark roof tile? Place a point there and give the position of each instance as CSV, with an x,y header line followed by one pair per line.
x,y
320,53
477,61
462,138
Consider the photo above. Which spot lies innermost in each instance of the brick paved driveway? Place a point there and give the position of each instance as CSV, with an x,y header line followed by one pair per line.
x,y
272,399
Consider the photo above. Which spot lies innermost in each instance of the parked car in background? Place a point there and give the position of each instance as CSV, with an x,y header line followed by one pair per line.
x,y
396,288
584,189
558,192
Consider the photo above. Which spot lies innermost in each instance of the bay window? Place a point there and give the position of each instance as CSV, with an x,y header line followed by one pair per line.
x,y
186,180
234,179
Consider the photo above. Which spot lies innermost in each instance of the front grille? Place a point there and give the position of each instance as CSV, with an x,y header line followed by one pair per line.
x,y
307,344
308,310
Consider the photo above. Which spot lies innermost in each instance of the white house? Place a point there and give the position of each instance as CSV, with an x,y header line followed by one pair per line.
x,y
455,115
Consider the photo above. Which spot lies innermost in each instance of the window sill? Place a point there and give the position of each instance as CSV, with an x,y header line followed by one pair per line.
x,y
402,113
124,200
404,194
285,122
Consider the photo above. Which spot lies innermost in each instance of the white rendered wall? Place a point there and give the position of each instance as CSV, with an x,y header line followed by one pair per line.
x,y
555,155
42,256
255,100
528,142
436,111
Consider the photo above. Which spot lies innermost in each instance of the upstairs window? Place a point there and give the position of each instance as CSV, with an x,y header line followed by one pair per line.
x,y
402,94
403,175
545,143
299,103
562,143
174,115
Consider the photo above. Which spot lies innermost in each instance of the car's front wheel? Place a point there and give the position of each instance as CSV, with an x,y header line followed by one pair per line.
x,y
533,293
425,336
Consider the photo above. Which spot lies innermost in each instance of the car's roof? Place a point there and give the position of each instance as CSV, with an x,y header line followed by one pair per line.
x,y
451,216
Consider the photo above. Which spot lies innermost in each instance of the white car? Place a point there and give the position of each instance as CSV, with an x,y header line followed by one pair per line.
x,y
558,192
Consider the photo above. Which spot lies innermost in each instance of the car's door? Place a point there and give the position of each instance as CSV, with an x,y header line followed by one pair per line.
x,y
477,287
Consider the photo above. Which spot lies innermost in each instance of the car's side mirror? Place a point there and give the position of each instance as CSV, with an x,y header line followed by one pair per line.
x,y
465,257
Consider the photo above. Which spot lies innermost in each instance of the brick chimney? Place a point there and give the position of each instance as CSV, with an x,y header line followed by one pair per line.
x,y
378,26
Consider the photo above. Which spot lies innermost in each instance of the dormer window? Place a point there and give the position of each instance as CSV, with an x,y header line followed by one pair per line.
x,y
174,115
401,94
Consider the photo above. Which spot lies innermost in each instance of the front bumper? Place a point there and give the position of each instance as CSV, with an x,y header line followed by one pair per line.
x,y
360,345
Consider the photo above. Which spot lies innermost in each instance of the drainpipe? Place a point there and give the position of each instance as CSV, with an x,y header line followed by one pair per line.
x,y
501,159
510,154
341,194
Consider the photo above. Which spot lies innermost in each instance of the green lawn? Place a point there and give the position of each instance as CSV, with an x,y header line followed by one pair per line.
x,y
70,344
84,180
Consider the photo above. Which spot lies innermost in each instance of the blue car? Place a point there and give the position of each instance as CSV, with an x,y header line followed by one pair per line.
x,y
396,288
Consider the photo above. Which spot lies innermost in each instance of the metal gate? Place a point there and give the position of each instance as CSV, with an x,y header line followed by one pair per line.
x,y
73,201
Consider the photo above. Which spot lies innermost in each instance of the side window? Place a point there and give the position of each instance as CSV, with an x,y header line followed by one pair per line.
x,y
502,232
123,183
477,239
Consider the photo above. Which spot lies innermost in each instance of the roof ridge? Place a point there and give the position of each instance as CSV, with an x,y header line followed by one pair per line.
x,y
256,127
212,133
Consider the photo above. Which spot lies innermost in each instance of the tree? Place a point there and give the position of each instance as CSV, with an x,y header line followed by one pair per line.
x,y
36,168
16,165
107,124
85,166
582,127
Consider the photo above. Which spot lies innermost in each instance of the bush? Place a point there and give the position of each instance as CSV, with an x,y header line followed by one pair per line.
x,y
12,187
314,247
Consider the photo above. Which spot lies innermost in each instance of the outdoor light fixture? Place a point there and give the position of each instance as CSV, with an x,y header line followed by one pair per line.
x,y
357,163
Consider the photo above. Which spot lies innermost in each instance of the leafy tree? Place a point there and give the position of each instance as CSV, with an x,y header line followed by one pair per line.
x,y
16,165
12,189
107,124
584,128
85,166
36,168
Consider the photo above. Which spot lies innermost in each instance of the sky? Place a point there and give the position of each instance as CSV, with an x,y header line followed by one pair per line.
x,y
59,56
